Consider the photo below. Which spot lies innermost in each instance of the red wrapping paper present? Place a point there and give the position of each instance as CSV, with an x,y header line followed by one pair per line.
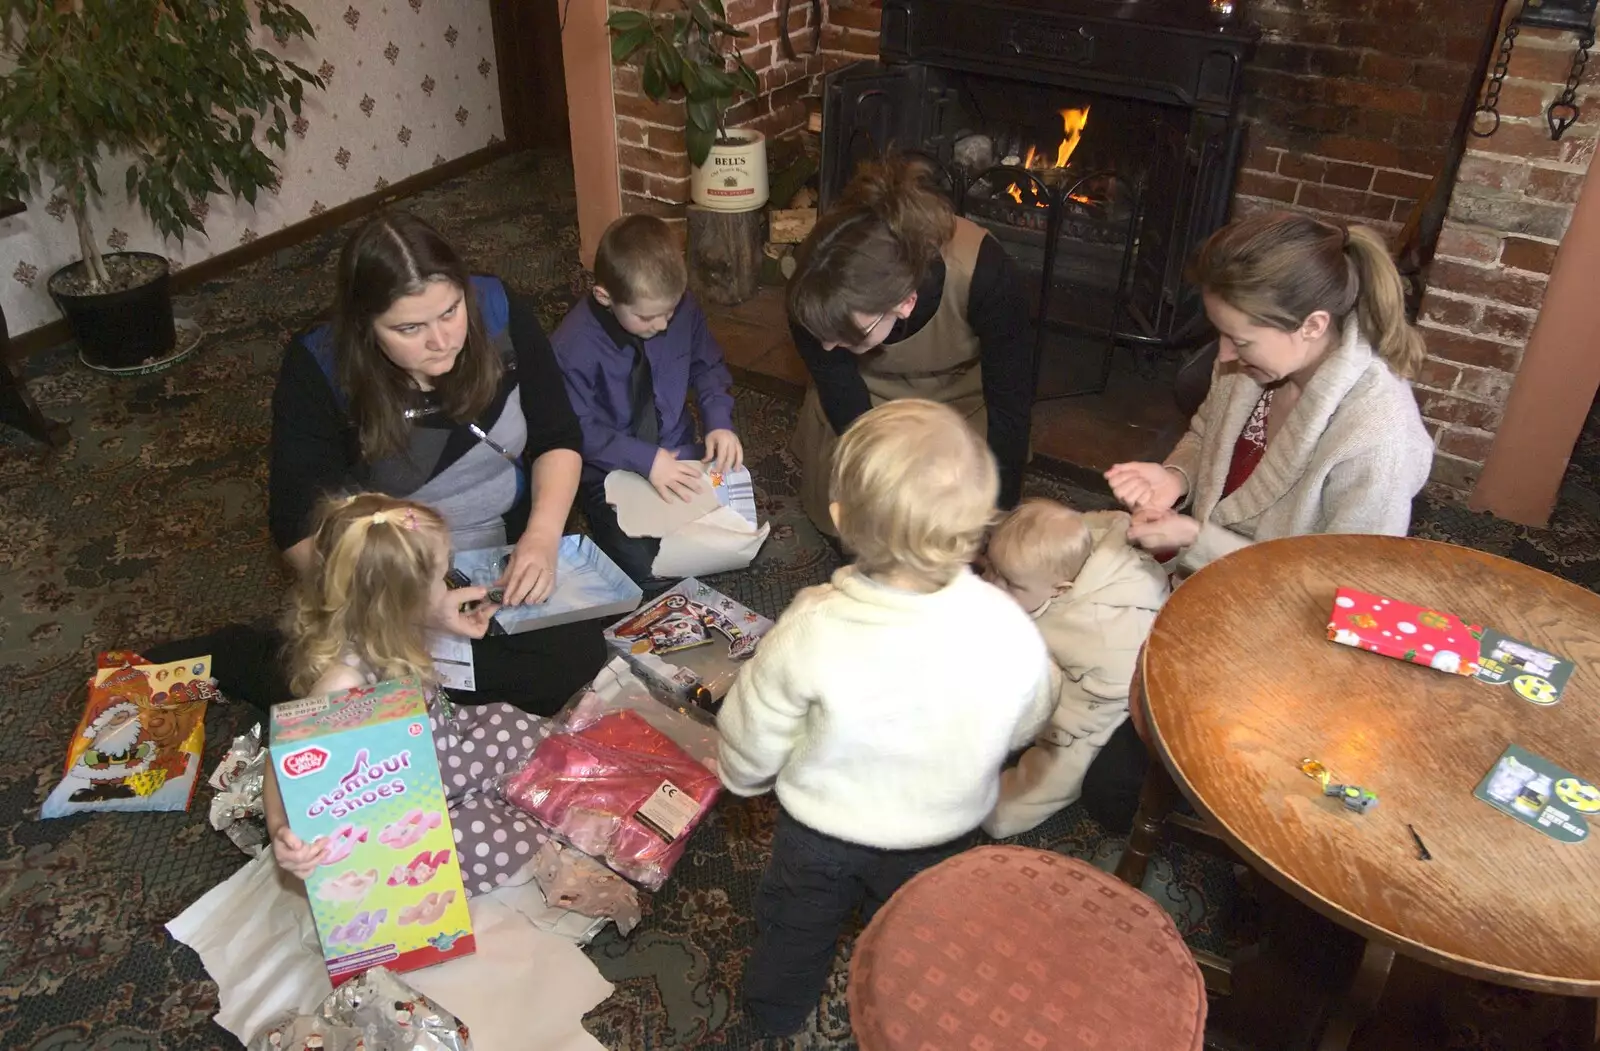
x,y
1405,632
619,790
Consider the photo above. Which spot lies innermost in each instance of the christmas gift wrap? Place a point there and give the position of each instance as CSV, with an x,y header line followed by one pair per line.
x,y
138,744
1405,632
358,773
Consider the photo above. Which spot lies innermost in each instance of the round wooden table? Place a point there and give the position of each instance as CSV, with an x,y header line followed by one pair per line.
x,y
1241,684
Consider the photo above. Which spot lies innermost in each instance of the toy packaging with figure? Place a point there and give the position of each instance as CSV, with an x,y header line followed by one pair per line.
x,y
358,773
138,744
1441,641
690,642
619,778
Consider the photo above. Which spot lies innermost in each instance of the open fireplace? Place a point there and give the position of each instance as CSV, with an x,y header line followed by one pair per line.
x,y
1097,139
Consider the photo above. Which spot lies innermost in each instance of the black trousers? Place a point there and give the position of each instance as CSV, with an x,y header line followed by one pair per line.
x,y
634,555
536,671
810,888
1112,785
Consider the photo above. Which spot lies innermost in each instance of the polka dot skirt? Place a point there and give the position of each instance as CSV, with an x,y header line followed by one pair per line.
x,y
476,745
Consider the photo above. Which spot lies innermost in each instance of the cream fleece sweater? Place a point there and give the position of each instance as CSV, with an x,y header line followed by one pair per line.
x,y
881,716
1349,458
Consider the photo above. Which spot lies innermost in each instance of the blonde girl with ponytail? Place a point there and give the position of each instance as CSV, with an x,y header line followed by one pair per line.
x,y
895,296
1310,425
361,614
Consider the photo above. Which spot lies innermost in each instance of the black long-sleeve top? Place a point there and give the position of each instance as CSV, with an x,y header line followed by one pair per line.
x,y
315,450
997,313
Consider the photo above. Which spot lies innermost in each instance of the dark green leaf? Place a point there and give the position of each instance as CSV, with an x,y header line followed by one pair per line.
x,y
701,16
653,79
622,21
702,115
699,142
623,45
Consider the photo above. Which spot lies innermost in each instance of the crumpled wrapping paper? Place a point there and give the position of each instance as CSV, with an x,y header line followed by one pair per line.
x,y
374,1011
572,880
237,808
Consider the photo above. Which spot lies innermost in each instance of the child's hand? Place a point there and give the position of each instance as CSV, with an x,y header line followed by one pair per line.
x,y
447,615
724,451
675,479
1156,529
294,855
1145,485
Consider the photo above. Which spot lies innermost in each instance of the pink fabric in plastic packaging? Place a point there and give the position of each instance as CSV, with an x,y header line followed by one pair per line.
x,y
619,790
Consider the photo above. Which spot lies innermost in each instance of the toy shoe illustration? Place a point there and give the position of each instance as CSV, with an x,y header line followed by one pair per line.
x,y
409,829
422,868
428,910
337,847
359,930
349,885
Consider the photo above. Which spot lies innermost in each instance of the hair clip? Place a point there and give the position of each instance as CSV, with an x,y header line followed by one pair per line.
x,y
379,517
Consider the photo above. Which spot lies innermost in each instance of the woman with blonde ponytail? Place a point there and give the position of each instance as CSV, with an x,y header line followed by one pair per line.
x,y
362,610
1310,425
894,296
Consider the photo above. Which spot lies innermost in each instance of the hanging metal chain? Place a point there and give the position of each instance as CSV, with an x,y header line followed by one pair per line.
x,y
1491,91
1563,112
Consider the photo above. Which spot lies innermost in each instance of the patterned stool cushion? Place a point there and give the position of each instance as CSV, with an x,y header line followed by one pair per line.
x,y
1015,949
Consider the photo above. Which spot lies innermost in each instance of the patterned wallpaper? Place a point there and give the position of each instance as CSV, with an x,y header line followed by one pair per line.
x,y
410,84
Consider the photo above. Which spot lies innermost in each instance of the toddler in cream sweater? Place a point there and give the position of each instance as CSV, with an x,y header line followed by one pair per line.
x,y
882,704
1093,597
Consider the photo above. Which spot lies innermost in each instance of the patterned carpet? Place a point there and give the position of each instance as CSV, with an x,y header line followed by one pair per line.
x,y
149,526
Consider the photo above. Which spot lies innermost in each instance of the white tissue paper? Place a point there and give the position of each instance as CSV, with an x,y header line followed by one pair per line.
x,y
714,531
524,989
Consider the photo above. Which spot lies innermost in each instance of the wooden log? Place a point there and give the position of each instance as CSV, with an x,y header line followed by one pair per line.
x,y
790,226
725,254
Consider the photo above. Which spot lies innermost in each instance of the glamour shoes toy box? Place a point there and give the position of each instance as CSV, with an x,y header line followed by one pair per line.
x,y
358,774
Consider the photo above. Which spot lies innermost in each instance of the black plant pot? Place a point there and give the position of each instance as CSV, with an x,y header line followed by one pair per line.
x,y
124,328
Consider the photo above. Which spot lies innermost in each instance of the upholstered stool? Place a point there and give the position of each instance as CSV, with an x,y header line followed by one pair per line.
x,y
1015,949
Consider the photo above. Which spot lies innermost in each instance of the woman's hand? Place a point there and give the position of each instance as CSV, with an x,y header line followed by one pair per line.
x,y
1146,485
1155,529
724,451
294,854
675,479
448,616
531,574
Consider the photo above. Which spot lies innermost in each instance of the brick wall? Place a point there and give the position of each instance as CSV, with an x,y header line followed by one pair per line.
x,y
1351,103
1509,210
651,153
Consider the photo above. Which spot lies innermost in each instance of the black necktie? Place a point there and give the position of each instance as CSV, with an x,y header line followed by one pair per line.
x,y
642,397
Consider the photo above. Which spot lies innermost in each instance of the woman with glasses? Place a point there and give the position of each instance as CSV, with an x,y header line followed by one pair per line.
x,y
894,296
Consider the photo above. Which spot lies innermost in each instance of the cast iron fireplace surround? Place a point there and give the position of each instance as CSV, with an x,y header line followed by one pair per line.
x,y
1097,139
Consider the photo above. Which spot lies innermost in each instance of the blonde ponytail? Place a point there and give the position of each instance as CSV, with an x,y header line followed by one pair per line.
x,y
366,594
1381,303
1281,268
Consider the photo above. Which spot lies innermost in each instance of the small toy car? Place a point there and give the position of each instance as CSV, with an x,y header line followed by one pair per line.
x,y
1354,797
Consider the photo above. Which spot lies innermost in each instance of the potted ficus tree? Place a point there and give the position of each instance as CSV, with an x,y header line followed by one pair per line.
x,y
173,94
686,51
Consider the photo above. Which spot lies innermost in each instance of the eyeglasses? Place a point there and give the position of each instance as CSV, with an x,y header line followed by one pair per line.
x,y
867,332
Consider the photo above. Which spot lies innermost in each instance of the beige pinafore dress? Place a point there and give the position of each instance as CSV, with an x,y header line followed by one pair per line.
x,y
939,363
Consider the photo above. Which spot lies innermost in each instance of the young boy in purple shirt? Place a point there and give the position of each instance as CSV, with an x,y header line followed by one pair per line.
x,y
630,353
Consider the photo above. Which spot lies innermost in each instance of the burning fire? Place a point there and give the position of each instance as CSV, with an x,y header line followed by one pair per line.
x,y
1073,121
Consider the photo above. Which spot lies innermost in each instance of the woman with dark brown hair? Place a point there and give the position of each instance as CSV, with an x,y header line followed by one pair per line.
x,y
894,296
434,385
